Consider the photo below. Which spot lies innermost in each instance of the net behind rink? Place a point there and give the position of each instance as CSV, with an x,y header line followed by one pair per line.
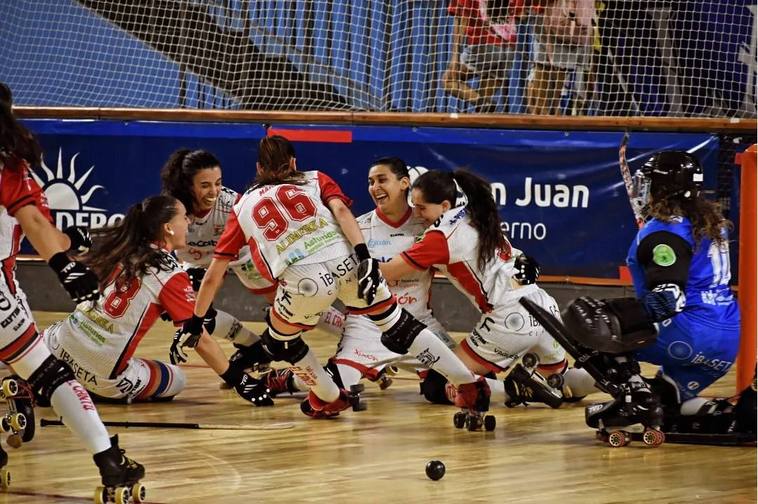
x,y
581,57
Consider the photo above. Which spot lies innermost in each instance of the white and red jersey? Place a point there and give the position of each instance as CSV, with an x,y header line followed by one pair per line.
x,y
286,224
17,189
204,233
105,334
385,239
452,245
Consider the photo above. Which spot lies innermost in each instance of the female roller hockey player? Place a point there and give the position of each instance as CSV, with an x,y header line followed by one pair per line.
x,y
464,240
299,228
194,177
680,266
139,280
24,211
679,262
388,230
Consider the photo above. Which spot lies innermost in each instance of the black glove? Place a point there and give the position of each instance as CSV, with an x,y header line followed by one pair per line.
x,y
209,321
187,336
81,241
527,270
196,276
369,275
78,280
165,316
248,388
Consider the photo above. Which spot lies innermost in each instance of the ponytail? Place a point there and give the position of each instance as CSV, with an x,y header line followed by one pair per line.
x,y
484,215
129,246
274,156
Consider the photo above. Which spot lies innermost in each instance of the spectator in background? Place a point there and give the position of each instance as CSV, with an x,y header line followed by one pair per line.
x,y
484,35
562,43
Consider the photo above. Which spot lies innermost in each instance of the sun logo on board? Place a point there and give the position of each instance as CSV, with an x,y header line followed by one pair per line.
x,y
66,193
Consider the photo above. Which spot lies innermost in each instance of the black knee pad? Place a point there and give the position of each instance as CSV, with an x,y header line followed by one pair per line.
x,y
433,388
400,336
290,350
48,377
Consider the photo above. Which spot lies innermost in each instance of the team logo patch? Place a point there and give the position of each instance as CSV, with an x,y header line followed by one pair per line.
x,y
307,287
680,350
514,321
693,385
664,255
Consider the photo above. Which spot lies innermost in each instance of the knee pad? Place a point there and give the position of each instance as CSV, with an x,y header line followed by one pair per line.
x,y
290,350
400,336
49,376
433,388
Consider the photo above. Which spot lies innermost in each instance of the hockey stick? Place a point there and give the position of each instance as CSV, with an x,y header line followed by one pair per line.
x,y
44,422
626,174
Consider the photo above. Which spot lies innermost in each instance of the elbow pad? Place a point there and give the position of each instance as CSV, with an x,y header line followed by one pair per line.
x,y
664,301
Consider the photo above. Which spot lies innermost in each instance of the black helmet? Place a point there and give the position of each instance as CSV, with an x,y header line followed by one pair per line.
x,y
674,173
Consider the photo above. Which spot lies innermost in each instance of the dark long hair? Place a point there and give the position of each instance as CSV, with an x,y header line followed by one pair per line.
x,y
180,169
129,245
438,186
15,140
706,217
274,155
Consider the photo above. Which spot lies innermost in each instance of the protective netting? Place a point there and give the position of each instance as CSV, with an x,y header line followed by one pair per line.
x,y
575,57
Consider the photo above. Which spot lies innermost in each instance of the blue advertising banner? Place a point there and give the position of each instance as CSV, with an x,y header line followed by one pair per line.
x,y
560,194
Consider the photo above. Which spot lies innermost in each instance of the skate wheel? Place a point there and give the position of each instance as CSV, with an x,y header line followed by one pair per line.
x,y
139,492
529,360
489,423
473,423
14,441
555,380
5,478
5,424
18,422
385,382
101,495
653,437
121,495
617,439
459,420
10,387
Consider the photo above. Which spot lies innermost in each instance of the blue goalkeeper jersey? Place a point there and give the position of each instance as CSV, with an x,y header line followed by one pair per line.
x,y
709,299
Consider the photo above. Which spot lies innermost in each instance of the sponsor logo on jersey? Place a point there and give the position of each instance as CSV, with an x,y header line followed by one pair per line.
x,y
69,195
664,255
202,243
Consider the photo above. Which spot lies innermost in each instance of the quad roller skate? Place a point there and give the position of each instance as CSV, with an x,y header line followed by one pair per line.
x,y
525,385
384,379
314,407
120,477
635,413
18,422
474,401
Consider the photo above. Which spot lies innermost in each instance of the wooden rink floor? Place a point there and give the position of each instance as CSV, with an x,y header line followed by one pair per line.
x,y
375,456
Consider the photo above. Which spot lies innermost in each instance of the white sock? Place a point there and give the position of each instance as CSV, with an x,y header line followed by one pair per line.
x,y
433,353
578,383
315,377
74,405
349,375
692,406
332,321
231,329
